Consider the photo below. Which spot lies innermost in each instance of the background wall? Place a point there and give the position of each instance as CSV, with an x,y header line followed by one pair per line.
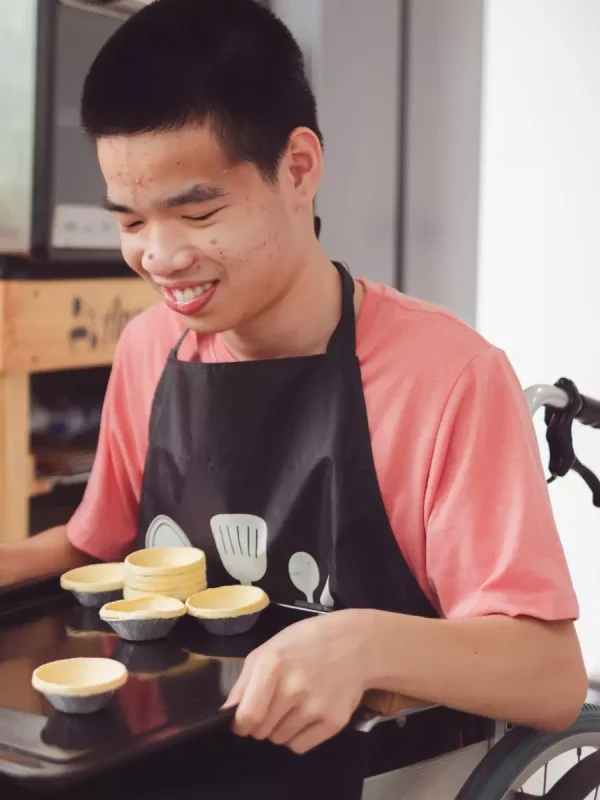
x,y
399,91
354,58
538,281
441,158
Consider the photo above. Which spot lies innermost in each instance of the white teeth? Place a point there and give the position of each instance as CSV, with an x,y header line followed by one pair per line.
x,y
187,295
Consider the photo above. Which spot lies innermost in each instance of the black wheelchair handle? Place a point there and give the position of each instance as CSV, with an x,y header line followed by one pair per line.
x,y
590,412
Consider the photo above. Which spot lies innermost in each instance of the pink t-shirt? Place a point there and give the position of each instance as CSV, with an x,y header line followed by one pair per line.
x,y
453,443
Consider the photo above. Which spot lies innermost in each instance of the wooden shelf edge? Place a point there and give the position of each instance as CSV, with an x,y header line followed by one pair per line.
x,y
66,324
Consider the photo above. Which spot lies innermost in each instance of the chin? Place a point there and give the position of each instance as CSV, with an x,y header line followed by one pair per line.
x,y
205,325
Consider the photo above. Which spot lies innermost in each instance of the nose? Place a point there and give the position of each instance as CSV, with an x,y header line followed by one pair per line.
x,y
164,256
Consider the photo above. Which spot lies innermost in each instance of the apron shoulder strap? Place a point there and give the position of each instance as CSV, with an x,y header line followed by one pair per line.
x,y
175,350
343,339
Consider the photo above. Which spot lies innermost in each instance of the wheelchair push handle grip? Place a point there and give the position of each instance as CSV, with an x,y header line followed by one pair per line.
x,y
590,412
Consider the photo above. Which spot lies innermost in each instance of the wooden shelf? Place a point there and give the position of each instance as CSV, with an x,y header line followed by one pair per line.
x,y
47,326
53,325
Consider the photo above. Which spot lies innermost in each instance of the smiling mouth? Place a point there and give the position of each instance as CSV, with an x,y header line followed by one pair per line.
x,y
191,299
187,295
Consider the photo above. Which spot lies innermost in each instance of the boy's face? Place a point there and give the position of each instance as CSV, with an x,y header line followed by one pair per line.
x,y
217,240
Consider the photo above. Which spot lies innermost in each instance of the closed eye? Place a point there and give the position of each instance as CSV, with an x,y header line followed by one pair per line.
x,y
131,226
204,217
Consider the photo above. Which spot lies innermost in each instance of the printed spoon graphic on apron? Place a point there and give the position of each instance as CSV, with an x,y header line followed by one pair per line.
x,y
304,574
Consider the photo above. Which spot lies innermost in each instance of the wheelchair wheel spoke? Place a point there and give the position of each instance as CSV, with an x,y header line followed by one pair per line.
x,y
526,765
581,781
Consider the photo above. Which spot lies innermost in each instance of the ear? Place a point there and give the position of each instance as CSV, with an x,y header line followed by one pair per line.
x,y
302,165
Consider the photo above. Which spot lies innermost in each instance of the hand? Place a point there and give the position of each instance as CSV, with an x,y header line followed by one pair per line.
x,y
302,686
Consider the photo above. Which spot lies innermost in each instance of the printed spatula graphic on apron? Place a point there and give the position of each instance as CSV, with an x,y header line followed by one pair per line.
x,y
241,541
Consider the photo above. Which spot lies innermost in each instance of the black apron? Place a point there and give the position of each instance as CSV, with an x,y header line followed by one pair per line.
x,y
267,466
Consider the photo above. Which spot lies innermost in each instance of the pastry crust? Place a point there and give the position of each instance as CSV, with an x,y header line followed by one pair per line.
x,y
155,561
167,583
181,594
79,677
94,578
149,607
227,602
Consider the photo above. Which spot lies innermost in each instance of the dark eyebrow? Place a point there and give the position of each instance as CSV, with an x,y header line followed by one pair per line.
x,y
116,207
200,193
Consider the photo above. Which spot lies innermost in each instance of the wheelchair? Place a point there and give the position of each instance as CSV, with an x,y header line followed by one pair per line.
x,y
518,763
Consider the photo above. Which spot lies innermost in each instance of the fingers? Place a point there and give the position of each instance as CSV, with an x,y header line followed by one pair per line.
x,y
239,687
290,726
235,695
290,711
255,701
293,718
279,711
281,696
313,735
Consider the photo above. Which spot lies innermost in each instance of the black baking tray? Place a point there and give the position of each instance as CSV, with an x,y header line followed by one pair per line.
x,y
175,692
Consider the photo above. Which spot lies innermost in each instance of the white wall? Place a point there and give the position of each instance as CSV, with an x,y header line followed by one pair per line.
x,y
359,100
538,287
303,18
441,161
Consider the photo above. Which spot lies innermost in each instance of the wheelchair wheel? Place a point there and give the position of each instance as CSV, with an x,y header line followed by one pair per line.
x,y
519,767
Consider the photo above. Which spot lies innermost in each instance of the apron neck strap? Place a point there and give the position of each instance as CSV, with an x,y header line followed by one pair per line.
x,y
343,338
175,350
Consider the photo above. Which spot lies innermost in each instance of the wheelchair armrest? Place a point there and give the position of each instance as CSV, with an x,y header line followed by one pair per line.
x,y
378,707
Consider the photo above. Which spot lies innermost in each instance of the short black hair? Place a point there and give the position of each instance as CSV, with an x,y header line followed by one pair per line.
x,y
232,64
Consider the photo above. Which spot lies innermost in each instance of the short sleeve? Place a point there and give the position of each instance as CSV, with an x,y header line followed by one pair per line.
x,y
492,546
104,525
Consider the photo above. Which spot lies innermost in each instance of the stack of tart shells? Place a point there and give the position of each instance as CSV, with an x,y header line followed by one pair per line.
x,y
176,572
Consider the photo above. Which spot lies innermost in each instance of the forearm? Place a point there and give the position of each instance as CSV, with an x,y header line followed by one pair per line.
x,y
518,670
48,553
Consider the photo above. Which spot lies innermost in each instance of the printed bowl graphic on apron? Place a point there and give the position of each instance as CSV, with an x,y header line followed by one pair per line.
x,y
165,532
304,574
241,541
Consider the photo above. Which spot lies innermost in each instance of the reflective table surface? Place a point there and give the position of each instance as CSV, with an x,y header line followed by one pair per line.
x,y
175,690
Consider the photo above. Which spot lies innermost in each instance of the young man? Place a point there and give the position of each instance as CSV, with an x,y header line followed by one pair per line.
x,y
377,436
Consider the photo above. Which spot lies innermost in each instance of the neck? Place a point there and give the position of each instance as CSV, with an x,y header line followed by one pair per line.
x,y
300,321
